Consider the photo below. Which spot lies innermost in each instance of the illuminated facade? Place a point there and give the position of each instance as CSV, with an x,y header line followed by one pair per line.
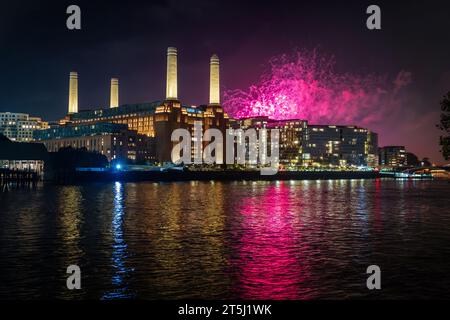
x,y
393,156
114,99
159,119
114,141
73,92
156,120
214,80
138,117
20,126
171,115
172,75
291,136
22,156
302,144
340,145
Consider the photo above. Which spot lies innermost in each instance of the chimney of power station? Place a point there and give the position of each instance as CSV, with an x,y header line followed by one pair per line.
x,y
114,101
73,93
171,88
214,81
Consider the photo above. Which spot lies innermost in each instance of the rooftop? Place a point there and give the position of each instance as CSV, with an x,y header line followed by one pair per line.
x,y
120,110
70,131
127,109
10,150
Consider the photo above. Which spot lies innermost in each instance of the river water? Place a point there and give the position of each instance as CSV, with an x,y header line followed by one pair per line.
x,y
227,240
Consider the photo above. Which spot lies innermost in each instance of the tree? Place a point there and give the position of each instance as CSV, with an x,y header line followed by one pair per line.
x,y
68,159
412,160
445,126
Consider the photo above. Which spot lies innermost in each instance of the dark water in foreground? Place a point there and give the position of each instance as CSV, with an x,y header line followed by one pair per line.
x,y
242,240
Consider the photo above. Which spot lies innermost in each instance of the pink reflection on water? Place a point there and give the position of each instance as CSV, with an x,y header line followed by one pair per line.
x,y
269,250
378,226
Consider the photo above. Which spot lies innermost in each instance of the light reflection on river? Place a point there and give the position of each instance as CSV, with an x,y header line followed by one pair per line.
x,y
216,240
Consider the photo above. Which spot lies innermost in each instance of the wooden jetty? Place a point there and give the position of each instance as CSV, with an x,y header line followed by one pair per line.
x,y
10,179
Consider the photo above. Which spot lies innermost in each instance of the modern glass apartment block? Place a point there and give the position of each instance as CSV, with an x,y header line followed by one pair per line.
x,y
340,145
393,156
303,144
290,136
79,131
113,140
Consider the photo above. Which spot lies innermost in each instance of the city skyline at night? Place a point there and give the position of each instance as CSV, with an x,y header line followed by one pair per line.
x,y
115,47
347,90
224,158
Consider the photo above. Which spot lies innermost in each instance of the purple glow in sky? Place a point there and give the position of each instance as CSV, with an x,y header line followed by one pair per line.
x,y
306,85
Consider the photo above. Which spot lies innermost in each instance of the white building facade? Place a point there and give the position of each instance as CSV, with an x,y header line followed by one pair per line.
x,y
20,126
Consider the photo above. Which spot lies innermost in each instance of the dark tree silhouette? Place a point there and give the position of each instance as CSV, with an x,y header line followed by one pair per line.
x,y
445,126
63,164
412,160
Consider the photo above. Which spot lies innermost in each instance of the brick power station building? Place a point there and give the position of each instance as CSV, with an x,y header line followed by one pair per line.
x,y
142,132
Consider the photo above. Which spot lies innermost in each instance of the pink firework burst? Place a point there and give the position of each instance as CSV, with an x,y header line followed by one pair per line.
x,y
304,85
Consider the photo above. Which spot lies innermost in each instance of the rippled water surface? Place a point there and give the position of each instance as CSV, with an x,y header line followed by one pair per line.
x,y
214,240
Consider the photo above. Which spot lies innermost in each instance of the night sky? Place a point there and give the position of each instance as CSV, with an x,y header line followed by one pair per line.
x,y
128,39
